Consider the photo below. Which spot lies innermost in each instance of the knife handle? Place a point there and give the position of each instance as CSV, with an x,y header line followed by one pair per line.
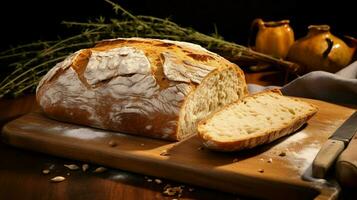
x,y
326,157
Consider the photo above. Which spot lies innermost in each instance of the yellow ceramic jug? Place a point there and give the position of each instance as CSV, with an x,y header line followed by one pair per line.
x,y
273,38
320,50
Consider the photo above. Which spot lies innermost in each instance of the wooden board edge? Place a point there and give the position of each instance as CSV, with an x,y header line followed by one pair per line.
x,y
200,178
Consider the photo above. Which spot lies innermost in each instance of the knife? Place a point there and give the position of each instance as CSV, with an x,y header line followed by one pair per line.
x,y
334,146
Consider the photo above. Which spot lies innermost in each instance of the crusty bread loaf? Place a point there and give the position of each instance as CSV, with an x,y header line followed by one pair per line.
x,y
254,120
155,88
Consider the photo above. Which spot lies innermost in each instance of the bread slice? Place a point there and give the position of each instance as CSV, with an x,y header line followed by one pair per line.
x,y
255,120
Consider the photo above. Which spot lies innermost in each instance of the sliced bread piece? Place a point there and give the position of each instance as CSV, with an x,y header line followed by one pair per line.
x,y
255,120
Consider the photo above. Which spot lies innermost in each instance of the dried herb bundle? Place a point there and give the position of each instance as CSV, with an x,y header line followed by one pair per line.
x,y
28,63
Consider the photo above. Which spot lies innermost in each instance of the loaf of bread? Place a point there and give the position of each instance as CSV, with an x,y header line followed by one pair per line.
x,y
149,87
254,120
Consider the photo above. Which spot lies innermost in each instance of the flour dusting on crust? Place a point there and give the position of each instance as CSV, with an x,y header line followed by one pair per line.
x,y
115,62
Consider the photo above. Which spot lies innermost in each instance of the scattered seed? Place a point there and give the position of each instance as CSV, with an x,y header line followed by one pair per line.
x,y
100,170
282,154
142,144
112,143
51,167
200,148
164,153
261,170
235,160
191,189
158,181
68,174
145,177
261,159
45,171
270,160
72,167
58,179
85,167
149,180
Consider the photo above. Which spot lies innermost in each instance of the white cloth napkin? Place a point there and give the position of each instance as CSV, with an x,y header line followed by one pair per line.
x,y
340,87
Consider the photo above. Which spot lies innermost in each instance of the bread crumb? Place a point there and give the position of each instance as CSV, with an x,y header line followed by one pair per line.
x,y
282,154
171,191
85,167
164,153
112,143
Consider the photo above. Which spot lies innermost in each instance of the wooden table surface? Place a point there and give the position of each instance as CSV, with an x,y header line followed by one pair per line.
x,y
21,170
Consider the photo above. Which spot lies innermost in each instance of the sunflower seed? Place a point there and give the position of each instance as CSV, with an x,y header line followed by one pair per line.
x,y
58,179
45,171
72,167
85,167
100,170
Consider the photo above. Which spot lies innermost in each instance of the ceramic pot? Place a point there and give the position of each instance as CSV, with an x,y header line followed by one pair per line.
x,y
273,38
321,50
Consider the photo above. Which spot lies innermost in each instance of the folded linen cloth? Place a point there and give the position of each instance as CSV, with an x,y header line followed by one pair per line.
x,y
340,87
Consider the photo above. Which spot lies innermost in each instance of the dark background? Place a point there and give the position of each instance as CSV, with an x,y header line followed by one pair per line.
x,y
25,21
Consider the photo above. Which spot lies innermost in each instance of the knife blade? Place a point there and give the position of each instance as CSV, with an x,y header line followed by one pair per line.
x,y
334,146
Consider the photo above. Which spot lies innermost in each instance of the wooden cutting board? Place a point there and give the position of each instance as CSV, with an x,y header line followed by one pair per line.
x,y
263,172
